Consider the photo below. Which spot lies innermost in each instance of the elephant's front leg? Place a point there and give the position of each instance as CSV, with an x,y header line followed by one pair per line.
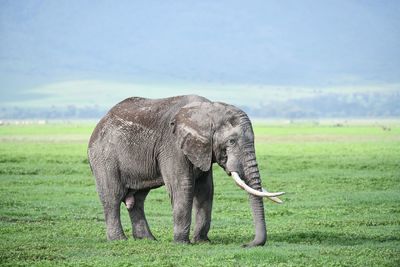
x,y
182,202
178,175
203,197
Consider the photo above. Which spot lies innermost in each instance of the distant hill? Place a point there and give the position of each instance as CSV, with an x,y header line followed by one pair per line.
x,y
315,104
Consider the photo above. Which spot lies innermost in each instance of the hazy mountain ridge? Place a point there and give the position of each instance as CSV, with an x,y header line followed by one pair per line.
x,y
321,105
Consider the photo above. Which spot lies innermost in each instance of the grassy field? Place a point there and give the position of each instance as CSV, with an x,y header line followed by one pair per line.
x,y
342,206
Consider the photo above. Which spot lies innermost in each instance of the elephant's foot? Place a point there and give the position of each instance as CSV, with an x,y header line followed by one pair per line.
x,y
148,236
201,239
183,242
182,239
115,232
115,236
253,244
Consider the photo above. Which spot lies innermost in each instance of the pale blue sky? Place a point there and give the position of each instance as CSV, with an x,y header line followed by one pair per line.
x,y
45,46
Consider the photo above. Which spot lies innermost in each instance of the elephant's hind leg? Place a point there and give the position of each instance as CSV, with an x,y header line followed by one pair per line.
x,y
140,227
113,221
111,193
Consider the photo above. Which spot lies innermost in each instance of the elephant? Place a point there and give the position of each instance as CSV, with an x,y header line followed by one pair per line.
x,y
142,144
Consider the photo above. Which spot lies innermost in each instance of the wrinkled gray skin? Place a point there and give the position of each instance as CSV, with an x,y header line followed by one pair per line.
x,y
142,144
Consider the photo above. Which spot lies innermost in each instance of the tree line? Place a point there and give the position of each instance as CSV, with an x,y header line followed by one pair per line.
x,y
328,105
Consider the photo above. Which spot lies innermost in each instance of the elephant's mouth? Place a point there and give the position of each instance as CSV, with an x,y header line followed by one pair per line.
x,y
263,193
226,170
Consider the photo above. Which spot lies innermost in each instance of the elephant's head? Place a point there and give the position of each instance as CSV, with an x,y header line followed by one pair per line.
x,y
216,132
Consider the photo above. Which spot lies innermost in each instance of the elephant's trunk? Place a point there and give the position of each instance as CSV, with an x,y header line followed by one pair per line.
x,y
252,178
252,184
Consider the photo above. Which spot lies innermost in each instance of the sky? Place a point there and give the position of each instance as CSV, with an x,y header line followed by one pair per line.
x,y
99,52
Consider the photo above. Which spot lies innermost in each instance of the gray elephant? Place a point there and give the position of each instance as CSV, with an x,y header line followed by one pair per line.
x,y
142,144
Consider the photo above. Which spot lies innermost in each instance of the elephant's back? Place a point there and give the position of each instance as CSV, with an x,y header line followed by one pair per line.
x,y
141,117
150,112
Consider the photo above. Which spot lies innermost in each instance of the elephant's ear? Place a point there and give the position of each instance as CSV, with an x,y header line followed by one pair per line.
x,y
193,129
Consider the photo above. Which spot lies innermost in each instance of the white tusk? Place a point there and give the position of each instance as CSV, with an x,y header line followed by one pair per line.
x,y
263,193
274,199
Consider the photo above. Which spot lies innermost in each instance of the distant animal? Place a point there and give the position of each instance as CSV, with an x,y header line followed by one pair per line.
x,y
142,144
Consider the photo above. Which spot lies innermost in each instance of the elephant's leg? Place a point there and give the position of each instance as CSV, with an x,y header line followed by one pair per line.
x,y
178,176
203,197
113,221
140,227
182,202
111,193
181,194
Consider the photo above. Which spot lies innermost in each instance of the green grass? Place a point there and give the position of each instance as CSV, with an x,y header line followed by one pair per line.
x,y
341,207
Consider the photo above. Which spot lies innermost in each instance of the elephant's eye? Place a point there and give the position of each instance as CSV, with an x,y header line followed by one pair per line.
x,y
231,142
